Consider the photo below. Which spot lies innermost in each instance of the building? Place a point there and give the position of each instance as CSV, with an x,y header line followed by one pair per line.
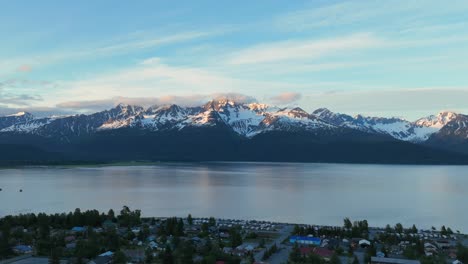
x,y
324,253
135,255
101,260
305,240
78,229
23,249
364,243
377,260
321,252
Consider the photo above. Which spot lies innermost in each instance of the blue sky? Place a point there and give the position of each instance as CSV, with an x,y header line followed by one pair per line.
x,y
389,58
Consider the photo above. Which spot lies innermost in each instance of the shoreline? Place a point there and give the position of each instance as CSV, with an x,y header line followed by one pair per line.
x,y
155,163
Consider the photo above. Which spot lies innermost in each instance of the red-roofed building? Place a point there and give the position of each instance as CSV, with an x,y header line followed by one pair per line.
x,y
321,252
305,251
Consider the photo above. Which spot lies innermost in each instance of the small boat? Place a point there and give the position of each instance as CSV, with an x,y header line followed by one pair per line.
x,y
21,190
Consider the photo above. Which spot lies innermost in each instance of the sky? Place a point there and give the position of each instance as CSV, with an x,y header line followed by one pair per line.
x,y
403,58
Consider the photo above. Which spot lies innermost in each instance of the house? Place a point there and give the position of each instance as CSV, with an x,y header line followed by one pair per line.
x,y
443,244
429,246
324,253
153,245
70,246
135,255
227,250
107,254
23,249
305,251
78,229
364,243
69,238
377,260
308,240
108,224
101,260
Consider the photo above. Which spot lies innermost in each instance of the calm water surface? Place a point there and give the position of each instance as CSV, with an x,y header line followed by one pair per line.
x,y
300,193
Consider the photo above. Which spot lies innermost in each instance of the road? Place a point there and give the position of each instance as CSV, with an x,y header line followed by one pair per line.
x,y
284,234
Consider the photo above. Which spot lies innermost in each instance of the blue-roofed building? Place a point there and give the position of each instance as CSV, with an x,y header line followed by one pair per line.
x,y
305,240
23,249
78,229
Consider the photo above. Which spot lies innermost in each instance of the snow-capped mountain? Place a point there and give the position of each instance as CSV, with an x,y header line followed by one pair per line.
x,y
455,127
418,131
9,120
227,130
244,119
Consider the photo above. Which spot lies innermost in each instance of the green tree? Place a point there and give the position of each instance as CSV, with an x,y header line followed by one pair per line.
x,y
120,258
55,255
443,230
388,229
399,228
212,221
5,247
236,237
449,231
414,230
190,219
347,223
149,256
167,257
335,259
462,253
295,255
111,215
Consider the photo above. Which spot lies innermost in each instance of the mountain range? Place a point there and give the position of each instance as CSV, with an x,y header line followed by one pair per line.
x,y
227,130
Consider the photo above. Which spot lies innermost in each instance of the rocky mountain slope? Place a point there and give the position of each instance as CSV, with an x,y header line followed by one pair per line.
x,y
235,125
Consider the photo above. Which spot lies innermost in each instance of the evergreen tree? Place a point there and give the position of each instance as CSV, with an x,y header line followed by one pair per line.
x,y
55,255
335,259
120,258
149,256
190,219
5,247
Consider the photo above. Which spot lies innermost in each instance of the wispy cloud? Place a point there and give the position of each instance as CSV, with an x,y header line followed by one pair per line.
x,y
368,13
134,43
304,49
286,98
154,78
408,102
183,100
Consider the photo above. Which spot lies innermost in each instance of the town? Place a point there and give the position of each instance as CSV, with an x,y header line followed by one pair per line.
x,y
127,237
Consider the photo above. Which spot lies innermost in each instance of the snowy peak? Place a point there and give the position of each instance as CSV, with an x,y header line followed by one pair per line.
x,y
395,127
457,127
9,120
245,119
124,111
258,108
438,121
19,114
296,112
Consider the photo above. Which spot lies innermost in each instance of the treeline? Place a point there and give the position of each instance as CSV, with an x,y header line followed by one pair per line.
x,y
92,218
349,229
36,229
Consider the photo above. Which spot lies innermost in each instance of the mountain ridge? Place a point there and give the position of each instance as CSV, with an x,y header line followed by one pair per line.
x,y
238,127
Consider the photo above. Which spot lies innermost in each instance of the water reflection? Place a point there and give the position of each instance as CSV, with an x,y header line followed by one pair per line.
x,y
306,193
